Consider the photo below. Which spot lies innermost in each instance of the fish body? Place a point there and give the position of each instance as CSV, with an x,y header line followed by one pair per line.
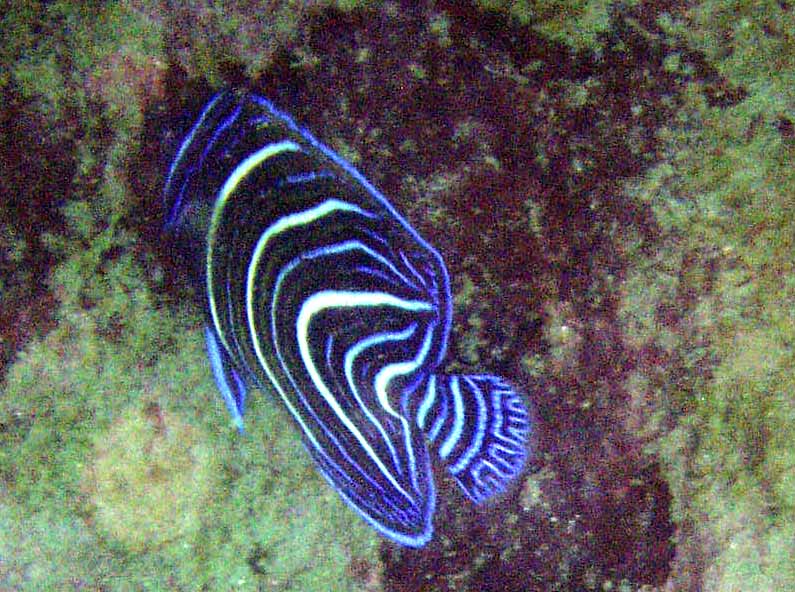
x,y
319,289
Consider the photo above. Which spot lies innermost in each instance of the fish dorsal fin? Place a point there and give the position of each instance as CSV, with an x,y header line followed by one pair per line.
x,y
479,426
231,385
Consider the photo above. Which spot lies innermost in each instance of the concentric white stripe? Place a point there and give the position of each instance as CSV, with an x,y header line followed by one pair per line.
x,y
325,300
439,422
427,402
243,169
334,249
480,430
330,250
389,373
443,276
411,268
458,420
350,357
280,226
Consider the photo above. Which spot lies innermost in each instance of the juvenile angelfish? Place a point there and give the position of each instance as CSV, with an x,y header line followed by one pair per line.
x,y
319,289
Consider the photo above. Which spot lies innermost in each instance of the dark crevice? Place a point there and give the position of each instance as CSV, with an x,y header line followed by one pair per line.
x,y
36,171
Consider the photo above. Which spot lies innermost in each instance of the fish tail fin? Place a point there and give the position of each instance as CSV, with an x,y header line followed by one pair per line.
x,y
480,427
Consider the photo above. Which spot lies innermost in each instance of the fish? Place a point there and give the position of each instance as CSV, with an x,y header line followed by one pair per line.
x,y
319,291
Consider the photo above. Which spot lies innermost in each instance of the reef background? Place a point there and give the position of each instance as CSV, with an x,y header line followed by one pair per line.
x,y
611,184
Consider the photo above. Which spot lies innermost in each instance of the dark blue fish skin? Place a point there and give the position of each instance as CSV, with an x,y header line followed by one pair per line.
x,y
318,289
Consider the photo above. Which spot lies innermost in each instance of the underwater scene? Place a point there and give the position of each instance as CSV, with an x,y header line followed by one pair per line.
x,y
386,296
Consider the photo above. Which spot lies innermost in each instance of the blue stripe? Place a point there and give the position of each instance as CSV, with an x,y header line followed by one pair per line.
x,y
480,430
458,420
439,423
186,143
427,402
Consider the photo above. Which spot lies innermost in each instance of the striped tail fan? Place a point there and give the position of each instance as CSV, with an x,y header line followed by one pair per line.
x,y
319,290
479,426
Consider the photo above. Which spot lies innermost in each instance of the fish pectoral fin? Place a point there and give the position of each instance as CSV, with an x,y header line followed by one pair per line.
x,y
232,387
480,427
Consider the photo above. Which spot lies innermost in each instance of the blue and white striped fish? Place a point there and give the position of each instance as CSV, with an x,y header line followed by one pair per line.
x,y
318,289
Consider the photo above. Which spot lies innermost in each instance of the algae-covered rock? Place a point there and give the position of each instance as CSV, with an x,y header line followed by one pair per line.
x,y
611,185
119,468
149,483
578,23
134,454
150,478
718,303
46,550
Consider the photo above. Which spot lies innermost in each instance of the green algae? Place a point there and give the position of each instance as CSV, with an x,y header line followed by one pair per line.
x,y
13,285
54,551
146,475
149,479
724,262
119,468
112,422
713,295
578,23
